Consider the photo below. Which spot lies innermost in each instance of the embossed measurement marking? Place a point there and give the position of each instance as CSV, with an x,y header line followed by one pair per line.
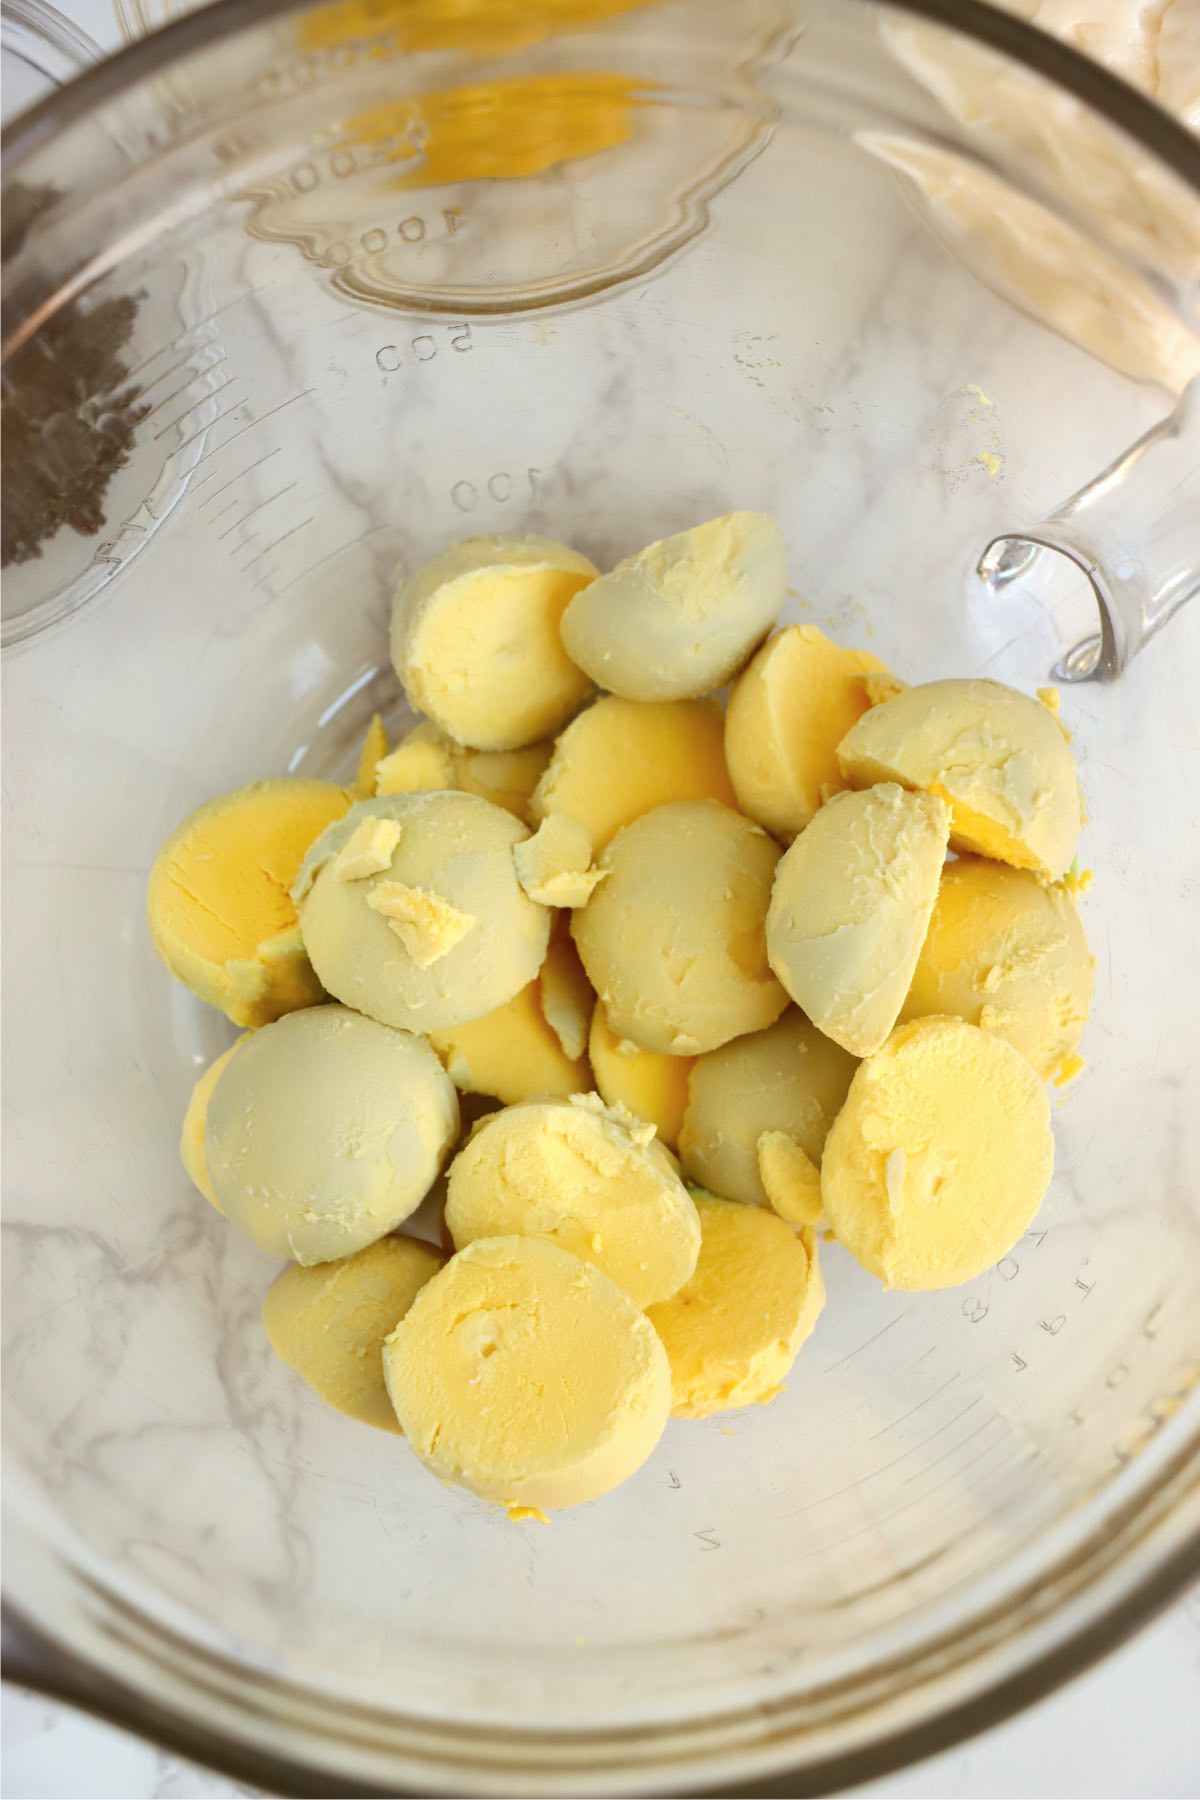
x,y
892,1423
415,229
500,487
275,543
200,398
1008,1268
191,382
235,514
424,348
241,476
257,507
250,425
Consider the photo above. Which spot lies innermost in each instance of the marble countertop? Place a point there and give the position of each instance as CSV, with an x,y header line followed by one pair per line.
x,y
1128,1727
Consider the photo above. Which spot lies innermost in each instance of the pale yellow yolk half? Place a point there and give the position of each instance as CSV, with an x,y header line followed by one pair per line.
x,y
426,758
789,710
680,617
218,903
732,1331
586,1177
325,1131
443,933
940,1157
527,1376
850,907
790,1078
476,640
648,1084
673,938
328,1323
191,1141
512,1053
997,756
622,758
1008,952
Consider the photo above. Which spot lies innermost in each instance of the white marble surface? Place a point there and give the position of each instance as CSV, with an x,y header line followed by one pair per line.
x,y
1126,1728
1129,1728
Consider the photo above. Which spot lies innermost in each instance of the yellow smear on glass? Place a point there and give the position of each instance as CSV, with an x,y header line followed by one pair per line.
x,y
500,130
488,25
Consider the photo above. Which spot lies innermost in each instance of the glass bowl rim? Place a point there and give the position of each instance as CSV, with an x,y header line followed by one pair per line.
x,y
1159,1562
1066,68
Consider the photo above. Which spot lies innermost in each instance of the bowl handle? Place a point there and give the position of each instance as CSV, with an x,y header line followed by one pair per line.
x,y
1134,532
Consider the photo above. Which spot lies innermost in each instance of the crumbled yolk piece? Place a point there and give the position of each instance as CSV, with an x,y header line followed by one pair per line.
x,y
427,926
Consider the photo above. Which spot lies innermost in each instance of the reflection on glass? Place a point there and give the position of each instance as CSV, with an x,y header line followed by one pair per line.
x,y
1045,266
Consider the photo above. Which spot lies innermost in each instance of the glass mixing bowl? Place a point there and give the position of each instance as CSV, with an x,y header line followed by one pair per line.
x,y
298,293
